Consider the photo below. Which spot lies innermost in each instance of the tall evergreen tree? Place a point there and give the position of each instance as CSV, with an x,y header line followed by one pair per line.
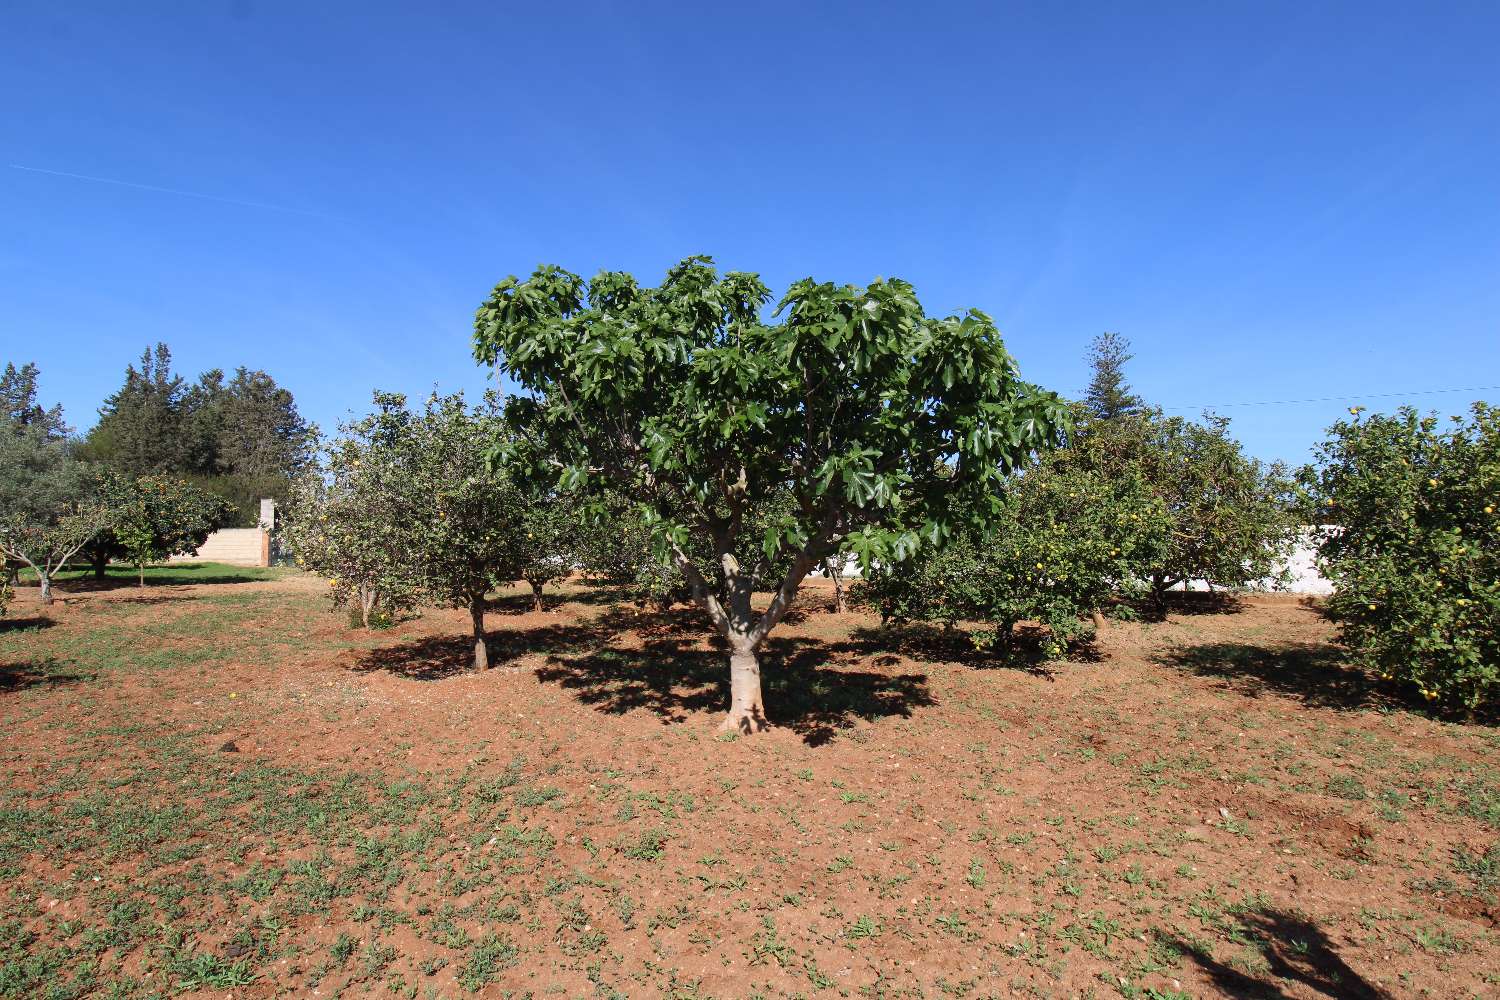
x,y
242,439
19,406
1109,395
261,435
139,426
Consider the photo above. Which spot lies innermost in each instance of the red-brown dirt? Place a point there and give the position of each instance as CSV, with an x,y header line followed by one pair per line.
x,y
1210,805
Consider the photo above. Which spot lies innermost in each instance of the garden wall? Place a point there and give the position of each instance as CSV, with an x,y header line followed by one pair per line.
x,y
238,546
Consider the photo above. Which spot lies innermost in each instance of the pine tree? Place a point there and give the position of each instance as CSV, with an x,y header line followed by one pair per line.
x,y
1109,395
139,429
261,435
18,404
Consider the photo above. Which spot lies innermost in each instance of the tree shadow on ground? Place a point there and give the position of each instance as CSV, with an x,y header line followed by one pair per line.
x,y
24,624
941,644
171,578
436,657
673,667
1204,602
22,675
1296,951
1312,673
1317,675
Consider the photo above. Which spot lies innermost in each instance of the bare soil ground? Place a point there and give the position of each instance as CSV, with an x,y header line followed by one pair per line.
x,y
223,790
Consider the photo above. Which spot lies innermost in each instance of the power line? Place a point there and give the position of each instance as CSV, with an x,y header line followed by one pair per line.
x,y
1333,399
1327,399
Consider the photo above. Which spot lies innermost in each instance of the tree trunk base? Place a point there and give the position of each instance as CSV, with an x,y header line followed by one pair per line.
x,y
481,648
745,723
747,712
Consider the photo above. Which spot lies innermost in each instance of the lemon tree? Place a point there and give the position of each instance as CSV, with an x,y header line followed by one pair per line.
x,y
1064,544
1413,548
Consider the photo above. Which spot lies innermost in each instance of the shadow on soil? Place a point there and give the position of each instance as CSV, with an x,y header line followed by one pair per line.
x,y
46,673
1314,674
25,624
938,644
672,672
1296,951
1202,602
170,578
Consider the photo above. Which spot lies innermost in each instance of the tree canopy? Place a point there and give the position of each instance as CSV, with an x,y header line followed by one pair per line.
x,y
684,397
242,439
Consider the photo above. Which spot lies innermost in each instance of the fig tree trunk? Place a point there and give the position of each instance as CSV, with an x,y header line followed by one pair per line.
x,y
536,595
481,651
46,582
747,710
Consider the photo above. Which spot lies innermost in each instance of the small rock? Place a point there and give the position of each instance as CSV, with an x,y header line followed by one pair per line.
x,y
1223,813
230,746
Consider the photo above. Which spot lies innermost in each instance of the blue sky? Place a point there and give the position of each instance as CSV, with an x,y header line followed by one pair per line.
x,y
1272,201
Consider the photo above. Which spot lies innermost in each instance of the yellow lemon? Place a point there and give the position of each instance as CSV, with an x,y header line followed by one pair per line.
x,y
1490,509
1372,607
1432,482
1038,565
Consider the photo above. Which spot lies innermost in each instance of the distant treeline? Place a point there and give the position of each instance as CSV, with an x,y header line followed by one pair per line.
x,y
240,438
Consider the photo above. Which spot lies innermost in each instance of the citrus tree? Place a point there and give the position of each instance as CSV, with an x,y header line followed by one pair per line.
x,y
345,516
153,518
1063,545
687,399
1232,520
1413,548
552,540
405,509
469,523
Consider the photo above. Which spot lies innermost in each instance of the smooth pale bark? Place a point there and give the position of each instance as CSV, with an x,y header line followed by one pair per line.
x,y
481,651
141,568
46,581
747,710
536,595
1098,622
743,630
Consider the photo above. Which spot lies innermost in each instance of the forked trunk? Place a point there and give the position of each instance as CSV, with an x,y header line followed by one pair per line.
x,y
747,712
536,596
46,582
481,651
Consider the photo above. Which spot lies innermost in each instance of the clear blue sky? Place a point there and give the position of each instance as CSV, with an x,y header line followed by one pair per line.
x,y
1272,201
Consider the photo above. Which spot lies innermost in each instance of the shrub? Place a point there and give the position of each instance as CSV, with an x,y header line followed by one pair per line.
x,y
1064,543
1413,549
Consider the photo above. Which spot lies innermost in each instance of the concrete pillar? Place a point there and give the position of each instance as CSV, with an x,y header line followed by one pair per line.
x,y
267,524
